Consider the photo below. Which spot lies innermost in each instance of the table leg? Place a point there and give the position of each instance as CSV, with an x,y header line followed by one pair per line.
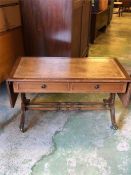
x,y
111,103
24,101
119,11
112,111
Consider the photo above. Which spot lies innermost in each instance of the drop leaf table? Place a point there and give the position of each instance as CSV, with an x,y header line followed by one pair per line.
x,y
67,75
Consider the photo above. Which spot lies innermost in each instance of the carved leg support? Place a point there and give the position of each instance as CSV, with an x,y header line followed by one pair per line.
x,y
24,101
112,111
111,103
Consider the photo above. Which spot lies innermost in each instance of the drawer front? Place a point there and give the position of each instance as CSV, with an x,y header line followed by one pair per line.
x,y
40,87
34,87
99,87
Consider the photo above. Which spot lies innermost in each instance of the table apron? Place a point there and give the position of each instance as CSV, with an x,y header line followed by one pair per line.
x,y
65,87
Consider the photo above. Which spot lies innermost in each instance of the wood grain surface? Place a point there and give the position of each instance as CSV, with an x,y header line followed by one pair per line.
x,y
67,75
11,46
56,27
68,68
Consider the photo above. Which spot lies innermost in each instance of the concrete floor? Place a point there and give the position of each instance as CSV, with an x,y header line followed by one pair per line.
x,y
116,41
71,143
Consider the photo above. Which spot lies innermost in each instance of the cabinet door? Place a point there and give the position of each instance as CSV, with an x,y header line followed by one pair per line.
x,y
103,5
11,47
9,17
33,27
80,28
85,28
12,15
47,27
76,27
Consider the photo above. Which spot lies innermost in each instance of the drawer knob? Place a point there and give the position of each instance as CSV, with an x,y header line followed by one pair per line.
x,y
43,86
97,86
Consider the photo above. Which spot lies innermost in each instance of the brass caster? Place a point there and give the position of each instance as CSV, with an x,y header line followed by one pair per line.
x,y
114,127
22,129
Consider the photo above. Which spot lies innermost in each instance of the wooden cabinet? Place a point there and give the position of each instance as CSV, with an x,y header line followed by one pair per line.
x,y
99,5
56,27
9,17
111,5
99,22
11,47
11,43
100,17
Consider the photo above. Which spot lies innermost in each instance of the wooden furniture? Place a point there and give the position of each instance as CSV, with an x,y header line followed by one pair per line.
x,y
126,98
111,7
11,43
56,27
126,5
119,5
100,17
11,46
58,75
123,5
99,5
99,21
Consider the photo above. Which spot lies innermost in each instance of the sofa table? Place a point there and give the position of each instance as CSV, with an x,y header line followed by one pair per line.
x,y
66,75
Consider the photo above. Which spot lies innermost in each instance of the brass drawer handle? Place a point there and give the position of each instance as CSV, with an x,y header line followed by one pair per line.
x,y
44,86
97,86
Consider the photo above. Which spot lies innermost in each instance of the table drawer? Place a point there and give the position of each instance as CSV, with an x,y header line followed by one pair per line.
x,y
34,87
99,87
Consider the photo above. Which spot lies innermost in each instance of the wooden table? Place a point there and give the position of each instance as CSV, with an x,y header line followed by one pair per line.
x,y
66,75
119,4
